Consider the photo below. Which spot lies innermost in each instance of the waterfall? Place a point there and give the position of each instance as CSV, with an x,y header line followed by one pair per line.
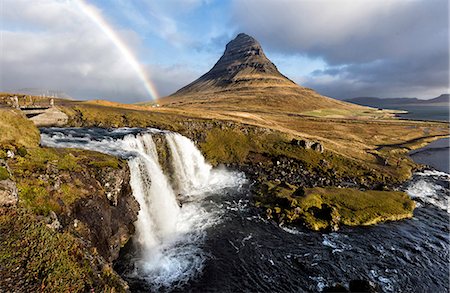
x,y
168,236
159,208
191,170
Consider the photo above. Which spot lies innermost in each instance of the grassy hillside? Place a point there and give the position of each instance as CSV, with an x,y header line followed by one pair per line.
x,y
36,253
374,147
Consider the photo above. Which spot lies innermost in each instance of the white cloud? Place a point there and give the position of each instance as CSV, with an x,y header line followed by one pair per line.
x,y
53,45
365,42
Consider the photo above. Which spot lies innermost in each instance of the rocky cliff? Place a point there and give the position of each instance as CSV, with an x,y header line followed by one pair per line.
x,y
64,215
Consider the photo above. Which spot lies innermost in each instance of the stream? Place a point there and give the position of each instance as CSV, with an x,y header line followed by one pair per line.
x,y
198,231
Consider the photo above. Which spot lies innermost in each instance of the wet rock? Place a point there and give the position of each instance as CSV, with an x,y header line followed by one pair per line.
x,y
363,286
107,222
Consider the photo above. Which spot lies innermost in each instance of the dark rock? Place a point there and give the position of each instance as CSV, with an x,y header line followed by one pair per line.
x,y
363,286
318,147
108,226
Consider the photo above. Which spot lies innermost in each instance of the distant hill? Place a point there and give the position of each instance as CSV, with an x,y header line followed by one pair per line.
x,y
443,100
244,79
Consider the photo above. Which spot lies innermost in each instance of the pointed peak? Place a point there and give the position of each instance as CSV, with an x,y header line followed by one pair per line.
x,y
242,42
241,36
242,64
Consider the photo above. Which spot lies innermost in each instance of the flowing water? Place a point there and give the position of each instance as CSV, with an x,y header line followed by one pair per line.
x,y
216,242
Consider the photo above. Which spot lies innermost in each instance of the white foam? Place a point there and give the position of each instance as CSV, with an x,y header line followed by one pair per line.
x,y
169,237
425,189
429,192
433,173
336,241
291,230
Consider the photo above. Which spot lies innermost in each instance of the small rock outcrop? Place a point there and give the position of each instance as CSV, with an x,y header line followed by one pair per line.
x,y
307,144
8,193
8,188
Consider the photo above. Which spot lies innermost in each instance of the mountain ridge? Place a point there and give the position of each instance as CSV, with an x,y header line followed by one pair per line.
x,y
244,78
381,102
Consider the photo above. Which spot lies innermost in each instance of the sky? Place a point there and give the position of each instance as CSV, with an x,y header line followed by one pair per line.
x,y
138,50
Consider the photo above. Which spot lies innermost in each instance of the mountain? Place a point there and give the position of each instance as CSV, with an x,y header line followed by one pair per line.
x,y
245,79
442,100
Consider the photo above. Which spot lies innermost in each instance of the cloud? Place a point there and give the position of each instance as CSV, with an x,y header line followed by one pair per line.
x,y
174,77
53,45
393,44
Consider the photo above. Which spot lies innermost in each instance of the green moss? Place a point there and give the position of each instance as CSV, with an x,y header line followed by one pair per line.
x,y
4,174
328,208
226,146
45,260
69,193
37,198
357,207
68,162
40,193
22,151
113,163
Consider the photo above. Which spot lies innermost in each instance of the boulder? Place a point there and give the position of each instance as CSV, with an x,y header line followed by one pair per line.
x,y
318,147
302,143
8,193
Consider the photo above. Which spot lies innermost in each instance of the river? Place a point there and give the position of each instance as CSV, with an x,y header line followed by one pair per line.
x,y
216,241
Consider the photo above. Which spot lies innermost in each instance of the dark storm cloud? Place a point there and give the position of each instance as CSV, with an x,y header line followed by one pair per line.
x,y
370,47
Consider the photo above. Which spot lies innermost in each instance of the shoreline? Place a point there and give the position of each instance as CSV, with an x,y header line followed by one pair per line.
x,y
435,155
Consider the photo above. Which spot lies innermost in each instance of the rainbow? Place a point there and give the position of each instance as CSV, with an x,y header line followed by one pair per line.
x,y
107,29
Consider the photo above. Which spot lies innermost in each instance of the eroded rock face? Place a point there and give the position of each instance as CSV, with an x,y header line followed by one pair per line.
x,y
107,222
78,198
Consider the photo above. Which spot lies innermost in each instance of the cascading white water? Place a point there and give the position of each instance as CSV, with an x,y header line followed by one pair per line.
x,y
190,168
169,236
159,209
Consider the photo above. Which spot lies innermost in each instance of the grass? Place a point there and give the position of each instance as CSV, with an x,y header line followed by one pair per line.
x,y
353,143
331,207
16,130
42,169
4,174
46,260
231,145
34,257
